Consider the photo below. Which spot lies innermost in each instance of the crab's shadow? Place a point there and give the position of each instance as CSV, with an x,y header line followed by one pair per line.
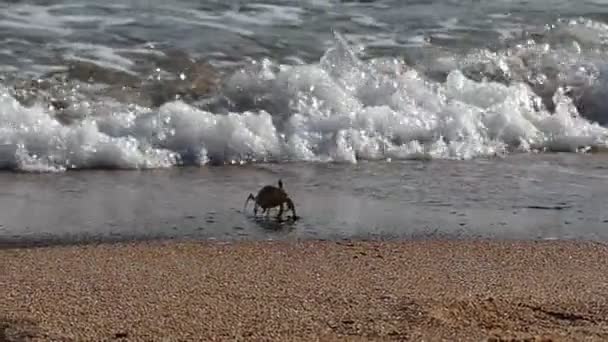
x,y
274,223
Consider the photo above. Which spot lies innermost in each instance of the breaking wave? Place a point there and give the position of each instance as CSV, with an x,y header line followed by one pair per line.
x,y
341,109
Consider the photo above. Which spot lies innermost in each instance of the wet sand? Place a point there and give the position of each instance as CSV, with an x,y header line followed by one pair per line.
x,y
312,290
522,197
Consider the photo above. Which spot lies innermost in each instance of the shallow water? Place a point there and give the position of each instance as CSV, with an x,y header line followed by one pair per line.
x,y
551,197
385,118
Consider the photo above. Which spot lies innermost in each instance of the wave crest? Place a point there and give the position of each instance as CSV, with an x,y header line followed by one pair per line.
x,y
340,109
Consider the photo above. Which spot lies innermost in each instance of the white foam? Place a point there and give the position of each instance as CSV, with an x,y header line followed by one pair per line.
x,y
32,17
98,54
49,18
377,40
418,40
34,141
203,19
104,21
366,20
267,15
103,56
341,109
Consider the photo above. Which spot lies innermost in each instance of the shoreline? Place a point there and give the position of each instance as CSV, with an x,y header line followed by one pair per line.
x,y
470,290
155,241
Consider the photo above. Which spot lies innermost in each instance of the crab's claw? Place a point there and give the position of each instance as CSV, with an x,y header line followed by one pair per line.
x,y
251,197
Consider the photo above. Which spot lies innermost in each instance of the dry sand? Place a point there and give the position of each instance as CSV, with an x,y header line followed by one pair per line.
x,y
285,291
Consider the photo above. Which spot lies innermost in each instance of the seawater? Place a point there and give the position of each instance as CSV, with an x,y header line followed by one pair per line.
x,y
377,90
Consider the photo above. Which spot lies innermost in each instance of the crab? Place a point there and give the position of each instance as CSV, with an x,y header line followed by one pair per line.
x,y
270,197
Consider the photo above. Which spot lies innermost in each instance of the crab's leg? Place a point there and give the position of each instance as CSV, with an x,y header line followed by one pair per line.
x,y
280,211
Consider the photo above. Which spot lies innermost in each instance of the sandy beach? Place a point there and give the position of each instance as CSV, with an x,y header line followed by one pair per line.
x,y
307,291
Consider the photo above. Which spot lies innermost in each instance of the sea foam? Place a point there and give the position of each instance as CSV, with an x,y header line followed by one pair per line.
x,y
342,109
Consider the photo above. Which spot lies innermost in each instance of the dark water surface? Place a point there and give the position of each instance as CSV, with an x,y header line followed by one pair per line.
x,y
555,197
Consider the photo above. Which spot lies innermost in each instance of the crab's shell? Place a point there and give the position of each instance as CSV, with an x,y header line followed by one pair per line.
x,y
270,197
